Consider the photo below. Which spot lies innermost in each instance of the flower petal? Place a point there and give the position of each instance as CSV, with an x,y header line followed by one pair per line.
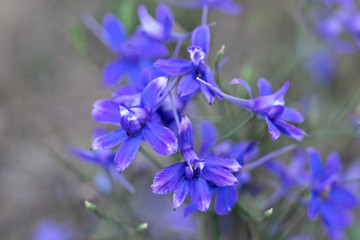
x,y
218,175
273,130
201,38
315,162
187,85
228,163
152,92
332,167
166,18
264,87
174,67
290,130
200,194
225,199
126,152
185,135
180,194
292,115
114,32
230,8
313,206
342,197
82,153
162,139
106,111
243,83
109,140
112,72
208,136
169,178
149,24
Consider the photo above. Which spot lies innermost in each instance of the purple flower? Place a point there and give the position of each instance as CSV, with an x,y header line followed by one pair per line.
x,y
192,69
289,176
50,230
103,158
193,176
135,52
321,66
271,107
329,198
137,123
225,196
225,6
161,28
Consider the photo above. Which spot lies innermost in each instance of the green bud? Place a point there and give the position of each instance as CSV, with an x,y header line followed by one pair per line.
x,y
268,212
90,206
143,226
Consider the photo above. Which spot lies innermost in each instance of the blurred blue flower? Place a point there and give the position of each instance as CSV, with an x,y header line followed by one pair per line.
x,y
49,230
192,177
103,158
134,53
321,66
161,28
192,69
329,198
137,123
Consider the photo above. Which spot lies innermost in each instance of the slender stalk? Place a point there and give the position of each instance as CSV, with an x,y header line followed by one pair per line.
x,y
264,159
245,103
151,158
252,219
177,48
205,11
237,128
215,226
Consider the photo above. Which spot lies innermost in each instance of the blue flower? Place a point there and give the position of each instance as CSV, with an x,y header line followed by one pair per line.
x,y
160,29
271,107
137,123
50,230
194,68
225,196
103,158
134,53
225,6
193,176
289,176
329,198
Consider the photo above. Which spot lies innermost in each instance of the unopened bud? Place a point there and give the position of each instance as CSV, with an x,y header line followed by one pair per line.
x,y
90,206
143,226
268,212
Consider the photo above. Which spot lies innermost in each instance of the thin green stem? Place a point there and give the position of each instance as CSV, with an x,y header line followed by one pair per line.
x,y
252,219
237,128
151,158
215,225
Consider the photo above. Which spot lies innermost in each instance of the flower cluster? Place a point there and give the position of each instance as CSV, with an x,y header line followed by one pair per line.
x,y
152,107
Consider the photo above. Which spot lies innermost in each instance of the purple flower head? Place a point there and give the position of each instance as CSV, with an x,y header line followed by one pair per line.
x,y
161,28
225,6
50,230
192,69
329,198
137,123
271,107
225,196
194,176
134,53
321,66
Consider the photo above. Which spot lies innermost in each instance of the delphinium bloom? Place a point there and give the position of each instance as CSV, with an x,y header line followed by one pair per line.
x,y
103,158
321,66
192,69
225,6
293,175
49,230
336,19
137,123
329,198
225,197
195,174
134,53
161,28
271,107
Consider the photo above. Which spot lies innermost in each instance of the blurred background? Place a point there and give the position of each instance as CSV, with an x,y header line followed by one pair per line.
x,y
50,75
